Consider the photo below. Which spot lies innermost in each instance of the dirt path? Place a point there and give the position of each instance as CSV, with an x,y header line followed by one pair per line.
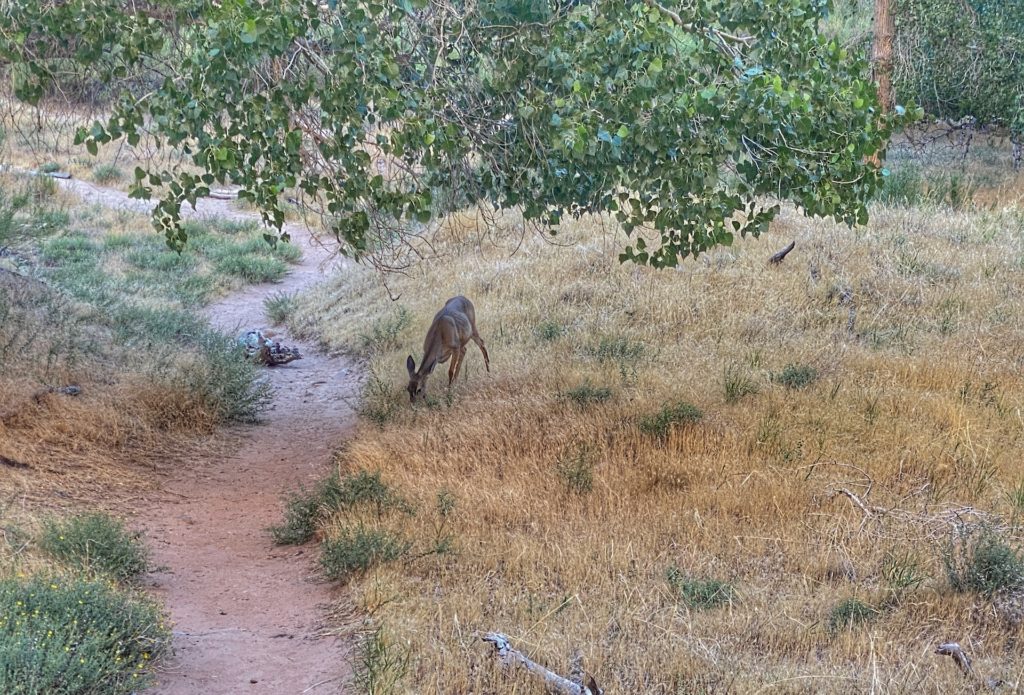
x,y
247,614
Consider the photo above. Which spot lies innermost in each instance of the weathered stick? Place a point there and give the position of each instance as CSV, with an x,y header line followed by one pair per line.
x,y
221,194
552,681
781,255
959,656
963,662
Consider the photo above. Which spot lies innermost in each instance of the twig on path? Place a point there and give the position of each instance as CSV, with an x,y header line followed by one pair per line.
x,y
780,256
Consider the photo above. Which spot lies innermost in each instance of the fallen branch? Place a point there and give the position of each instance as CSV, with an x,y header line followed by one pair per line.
x,y
220,194
963,662
781,255
552,681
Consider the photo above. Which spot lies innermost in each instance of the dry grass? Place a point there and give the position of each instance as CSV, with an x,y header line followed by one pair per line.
x,y
914,327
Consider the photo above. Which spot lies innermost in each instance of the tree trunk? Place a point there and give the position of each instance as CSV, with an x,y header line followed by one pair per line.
x,y
881,59
881,52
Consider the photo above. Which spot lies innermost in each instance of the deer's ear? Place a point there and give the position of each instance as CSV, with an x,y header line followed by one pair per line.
x,y
410,364
430,367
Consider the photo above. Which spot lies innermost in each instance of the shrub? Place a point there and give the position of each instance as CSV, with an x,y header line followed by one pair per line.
x,y
849,613
382,665
901,572
586,394
335,493
162,260
903,186
661,423
357,550
796,376
106,173
278,307
549,330
49,167
75,637
699,594
97,543
576,470
251,267
71,249
737,384
224,381
621,350
982,562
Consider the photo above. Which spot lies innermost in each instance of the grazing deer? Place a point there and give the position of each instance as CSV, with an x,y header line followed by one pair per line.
x,y
452,329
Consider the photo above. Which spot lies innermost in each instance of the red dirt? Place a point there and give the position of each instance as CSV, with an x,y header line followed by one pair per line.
x,y
248,615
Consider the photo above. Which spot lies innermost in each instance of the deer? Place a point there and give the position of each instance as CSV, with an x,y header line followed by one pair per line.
x,y
449,333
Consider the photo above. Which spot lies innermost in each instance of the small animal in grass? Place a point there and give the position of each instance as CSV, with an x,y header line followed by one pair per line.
x,y
452,329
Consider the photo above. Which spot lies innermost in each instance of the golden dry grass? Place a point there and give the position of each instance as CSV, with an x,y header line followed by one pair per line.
x,y
916,411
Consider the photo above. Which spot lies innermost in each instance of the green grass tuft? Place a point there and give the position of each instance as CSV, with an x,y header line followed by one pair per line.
x,y
106,173
699,594
982,562
796,376
586,394
850,613
96,543
354,551
671,415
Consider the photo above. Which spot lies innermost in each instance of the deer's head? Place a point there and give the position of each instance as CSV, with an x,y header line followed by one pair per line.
x,y
417,380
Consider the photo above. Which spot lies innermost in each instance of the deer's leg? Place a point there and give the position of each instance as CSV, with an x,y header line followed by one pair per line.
x,y
480,344
453,370
458,366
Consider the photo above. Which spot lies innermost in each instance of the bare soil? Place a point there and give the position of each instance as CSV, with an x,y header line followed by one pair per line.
x,y
248,615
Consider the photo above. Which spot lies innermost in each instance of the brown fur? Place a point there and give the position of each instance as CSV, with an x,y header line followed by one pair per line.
x,y
449,333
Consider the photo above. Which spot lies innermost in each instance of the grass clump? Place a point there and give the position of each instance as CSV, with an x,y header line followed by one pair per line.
x,y
699,594
796,376
982,562
671,415
737,384
251,267
353,551
303,510
849,613
587,394
64,636
549,331
278,307
222,380
382,664
107,173
618,349
576,470
96,543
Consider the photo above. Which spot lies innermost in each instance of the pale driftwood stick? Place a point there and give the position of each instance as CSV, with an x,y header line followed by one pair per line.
x,y
220,194
856,500
781,255
963,661
552,681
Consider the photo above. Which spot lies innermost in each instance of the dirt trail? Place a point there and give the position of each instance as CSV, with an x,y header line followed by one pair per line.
x,y
247,615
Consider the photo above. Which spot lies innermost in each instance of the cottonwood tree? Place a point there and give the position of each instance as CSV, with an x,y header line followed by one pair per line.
x,y
689,122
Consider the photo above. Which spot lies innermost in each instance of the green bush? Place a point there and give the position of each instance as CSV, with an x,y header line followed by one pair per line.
x,y
75,637
587,394
796,376
699,594
357,550
224,380
621,350
549,331
70,249
671,415
576,470
95,542
849,613
981,561
251,267
335,493
737,384
106,173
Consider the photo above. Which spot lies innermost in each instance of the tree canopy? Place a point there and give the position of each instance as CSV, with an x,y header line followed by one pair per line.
x,y
689,122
